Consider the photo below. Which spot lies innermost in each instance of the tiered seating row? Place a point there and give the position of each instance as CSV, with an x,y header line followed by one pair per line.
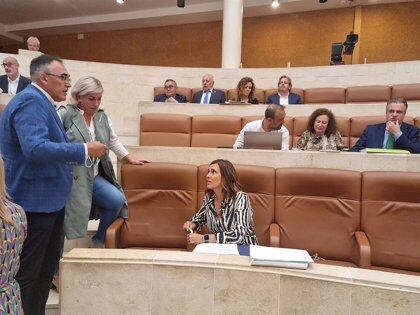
x,y
349,218
355,94
221,130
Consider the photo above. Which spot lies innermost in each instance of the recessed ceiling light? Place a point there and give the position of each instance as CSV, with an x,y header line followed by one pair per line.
x,y
119,1
275,3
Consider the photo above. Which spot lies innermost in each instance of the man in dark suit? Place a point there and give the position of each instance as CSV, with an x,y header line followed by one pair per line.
x,y
12,82
394,134
170,95
38,168
209,95
284,96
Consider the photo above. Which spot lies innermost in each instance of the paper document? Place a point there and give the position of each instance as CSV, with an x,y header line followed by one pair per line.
x,y
214,248
279,257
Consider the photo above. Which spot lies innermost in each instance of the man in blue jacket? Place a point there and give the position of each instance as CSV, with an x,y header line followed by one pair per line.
x,y
170,95
38,165
284,96
393,134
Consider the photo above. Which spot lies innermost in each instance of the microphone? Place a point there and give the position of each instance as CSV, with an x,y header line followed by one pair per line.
x,y
180,3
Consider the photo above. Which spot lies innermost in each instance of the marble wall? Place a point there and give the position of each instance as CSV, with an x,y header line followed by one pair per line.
x,y
159,282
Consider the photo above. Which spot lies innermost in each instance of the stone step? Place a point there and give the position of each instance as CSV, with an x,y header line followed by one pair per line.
x,y
53,303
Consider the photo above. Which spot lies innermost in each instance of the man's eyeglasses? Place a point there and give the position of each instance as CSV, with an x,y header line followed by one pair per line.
x,y
8,64
63,77
169,86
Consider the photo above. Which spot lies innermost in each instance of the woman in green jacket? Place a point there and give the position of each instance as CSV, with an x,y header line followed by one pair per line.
x,y
94,185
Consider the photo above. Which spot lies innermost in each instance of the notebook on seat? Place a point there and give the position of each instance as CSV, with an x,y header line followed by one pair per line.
x,y
262,140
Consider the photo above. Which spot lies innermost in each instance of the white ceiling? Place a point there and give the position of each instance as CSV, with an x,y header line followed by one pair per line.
x,y
22,18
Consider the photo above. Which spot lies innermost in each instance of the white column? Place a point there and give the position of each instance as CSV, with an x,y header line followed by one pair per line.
x,y
232,33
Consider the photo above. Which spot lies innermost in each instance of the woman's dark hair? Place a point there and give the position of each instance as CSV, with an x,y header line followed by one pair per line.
x,y
230,184
332,126
241,85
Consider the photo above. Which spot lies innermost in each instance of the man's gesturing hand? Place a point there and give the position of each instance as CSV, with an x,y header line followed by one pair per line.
x,y
96,149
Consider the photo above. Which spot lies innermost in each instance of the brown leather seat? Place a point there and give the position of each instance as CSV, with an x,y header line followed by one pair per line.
x,y
301,122
258,183
359,123
215,130
417,121
407,91
372,93
165,130
161,197
269,92
180,90
391,219
325,95
319,210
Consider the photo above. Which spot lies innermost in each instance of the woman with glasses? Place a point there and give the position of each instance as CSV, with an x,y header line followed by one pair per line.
x,y
94,185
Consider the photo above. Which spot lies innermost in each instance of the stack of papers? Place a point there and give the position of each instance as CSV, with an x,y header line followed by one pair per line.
x,y
215,248
279,257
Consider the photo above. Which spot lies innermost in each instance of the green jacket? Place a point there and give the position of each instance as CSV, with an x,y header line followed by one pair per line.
x,y
79,205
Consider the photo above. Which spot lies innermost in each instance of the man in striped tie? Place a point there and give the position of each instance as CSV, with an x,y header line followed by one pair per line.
x,y
209,95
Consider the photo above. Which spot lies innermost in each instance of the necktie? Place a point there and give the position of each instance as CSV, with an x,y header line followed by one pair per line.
x,y
390,142
206,97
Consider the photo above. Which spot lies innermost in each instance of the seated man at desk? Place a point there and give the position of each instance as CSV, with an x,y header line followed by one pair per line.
x,y
12,82
170,95
209,95
273,122
393,134
284,96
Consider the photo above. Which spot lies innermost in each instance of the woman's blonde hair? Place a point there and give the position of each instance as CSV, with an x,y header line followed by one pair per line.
x,y
85,85
5,202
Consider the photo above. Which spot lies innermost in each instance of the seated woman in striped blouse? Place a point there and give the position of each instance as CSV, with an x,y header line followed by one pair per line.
x,y
226,209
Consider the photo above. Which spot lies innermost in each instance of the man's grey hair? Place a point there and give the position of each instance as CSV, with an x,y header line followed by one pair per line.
x,y
270,111
41,64
85,85
172,80
397,100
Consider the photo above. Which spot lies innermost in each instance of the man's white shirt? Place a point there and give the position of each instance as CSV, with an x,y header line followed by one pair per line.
x,y
13,85
256,125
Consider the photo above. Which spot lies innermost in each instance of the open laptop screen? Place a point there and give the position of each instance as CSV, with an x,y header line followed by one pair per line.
x,y
262,140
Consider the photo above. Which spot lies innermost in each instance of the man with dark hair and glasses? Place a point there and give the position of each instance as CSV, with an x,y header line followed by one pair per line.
x,y
394,133
12,82
170,95
38,163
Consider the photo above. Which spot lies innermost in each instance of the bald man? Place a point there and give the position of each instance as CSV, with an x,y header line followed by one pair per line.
x,y
12,82
208,95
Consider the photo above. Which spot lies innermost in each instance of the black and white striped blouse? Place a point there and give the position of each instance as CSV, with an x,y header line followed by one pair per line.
x,y
235,226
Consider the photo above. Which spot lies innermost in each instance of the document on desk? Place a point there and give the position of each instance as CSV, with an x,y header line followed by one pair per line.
x,y
214,248
279,257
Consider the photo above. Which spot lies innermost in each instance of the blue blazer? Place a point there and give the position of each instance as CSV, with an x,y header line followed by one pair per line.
x,y
37,156
162,98
293,99
217,97
373,137
23,83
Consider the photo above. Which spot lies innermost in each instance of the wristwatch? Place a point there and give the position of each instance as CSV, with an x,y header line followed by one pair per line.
x,y
206,238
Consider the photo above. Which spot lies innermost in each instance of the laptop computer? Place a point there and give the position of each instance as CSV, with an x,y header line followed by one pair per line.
x,y
262,140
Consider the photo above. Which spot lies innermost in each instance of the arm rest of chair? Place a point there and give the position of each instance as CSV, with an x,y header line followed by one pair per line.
x,y
274,235
364,259
112,237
